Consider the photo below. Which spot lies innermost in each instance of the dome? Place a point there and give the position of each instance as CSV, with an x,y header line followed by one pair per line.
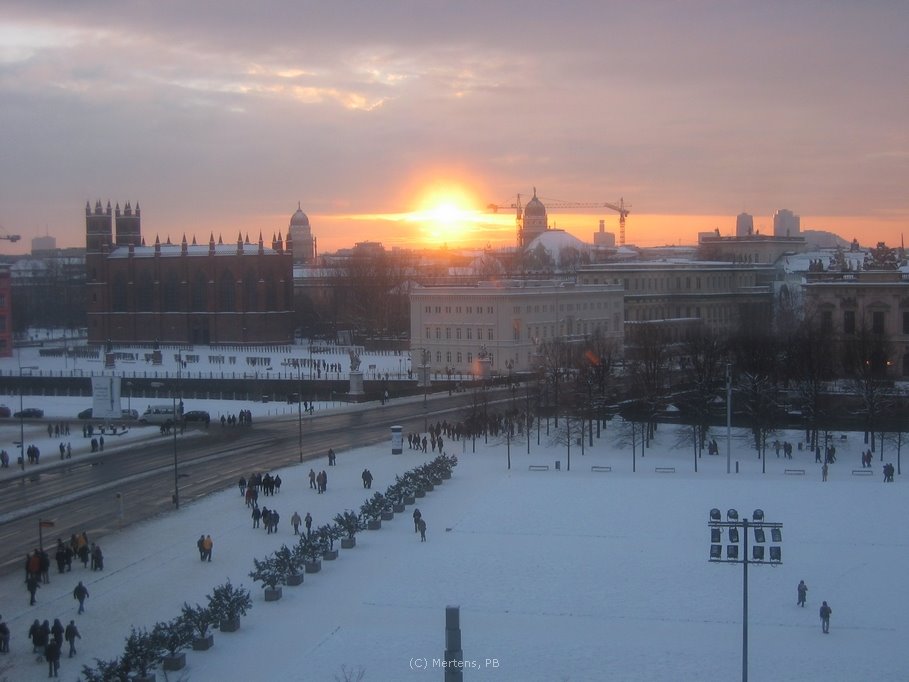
x,y
299,218
534,207
553,241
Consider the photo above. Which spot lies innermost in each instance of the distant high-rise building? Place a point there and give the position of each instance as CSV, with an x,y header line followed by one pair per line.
x,y
744,225
786,224
45,243
302,237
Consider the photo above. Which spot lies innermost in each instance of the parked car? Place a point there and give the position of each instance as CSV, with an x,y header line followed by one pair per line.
x,y
5,411
197,416
126,415
30,413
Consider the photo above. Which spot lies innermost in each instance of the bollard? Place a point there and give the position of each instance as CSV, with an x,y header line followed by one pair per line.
x,y
736,466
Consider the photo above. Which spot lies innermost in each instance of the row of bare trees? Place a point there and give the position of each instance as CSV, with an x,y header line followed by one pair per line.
x,y
778,377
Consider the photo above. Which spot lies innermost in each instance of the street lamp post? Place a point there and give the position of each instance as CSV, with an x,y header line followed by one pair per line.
x,y
728,416
176,496
733,526
21,416
300,410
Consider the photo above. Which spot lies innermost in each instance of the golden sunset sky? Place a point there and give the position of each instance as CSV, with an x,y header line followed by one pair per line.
x,y
401,121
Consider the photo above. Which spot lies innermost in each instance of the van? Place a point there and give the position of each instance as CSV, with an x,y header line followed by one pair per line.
x,y
158,414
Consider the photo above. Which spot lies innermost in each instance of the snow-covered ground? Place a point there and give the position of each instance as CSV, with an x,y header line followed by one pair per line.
x,y
574,575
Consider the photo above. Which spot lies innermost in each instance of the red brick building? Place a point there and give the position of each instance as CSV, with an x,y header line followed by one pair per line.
x,y
210,293
6,314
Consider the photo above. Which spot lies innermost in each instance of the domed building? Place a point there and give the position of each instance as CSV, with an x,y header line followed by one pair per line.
x,y
303,240
534,221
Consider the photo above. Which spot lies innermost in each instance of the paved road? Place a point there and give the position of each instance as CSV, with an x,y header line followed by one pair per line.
x,y
83,494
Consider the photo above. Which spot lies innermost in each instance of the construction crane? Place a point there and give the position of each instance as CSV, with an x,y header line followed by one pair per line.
x,y
519,213
621,208
8,237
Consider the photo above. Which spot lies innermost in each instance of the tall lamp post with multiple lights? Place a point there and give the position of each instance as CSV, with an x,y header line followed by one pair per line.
x,y
300,410
736,540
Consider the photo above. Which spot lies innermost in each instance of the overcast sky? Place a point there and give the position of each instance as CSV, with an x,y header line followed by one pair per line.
x,y
221,115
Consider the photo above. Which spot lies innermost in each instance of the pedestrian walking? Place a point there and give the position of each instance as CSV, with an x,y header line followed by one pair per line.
x,y
4,637
71,634
803,593
308,522
824,472
52,656
416,520
207,545
312,479
295,521
825,618
32,585
200,544
81,593
256,515
421,524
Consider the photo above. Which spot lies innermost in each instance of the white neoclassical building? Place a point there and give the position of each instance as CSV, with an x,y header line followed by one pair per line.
x,y
507,320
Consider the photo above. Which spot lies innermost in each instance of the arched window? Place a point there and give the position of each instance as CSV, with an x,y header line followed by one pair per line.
x,y
145,290
199,292
118,293
226,292
250,300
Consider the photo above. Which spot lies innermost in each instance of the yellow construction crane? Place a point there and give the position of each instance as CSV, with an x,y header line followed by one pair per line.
x,y
621,208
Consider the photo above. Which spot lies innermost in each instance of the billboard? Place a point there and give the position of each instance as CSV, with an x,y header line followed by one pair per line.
x,y
106,398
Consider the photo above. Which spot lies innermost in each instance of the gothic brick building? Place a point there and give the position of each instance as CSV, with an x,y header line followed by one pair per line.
x,y
183,293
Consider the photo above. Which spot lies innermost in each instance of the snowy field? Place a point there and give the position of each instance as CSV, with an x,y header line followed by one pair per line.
x,y
560,575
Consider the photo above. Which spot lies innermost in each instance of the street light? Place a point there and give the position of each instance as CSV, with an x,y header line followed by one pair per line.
x,y
733,524
159,384
426,356
21,416
300,409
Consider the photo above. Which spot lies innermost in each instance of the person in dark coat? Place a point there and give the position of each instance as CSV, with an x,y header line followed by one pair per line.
x,y
312,479
52,656
256,515
307,521
57,631
34,634
32,585
416,520
825,618
803,593
97,558
295,521
60,556
4,638
200,544
421,524
43,636
81,593
71,634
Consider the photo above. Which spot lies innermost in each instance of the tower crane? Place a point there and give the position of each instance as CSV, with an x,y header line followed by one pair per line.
x,y
621,208
9,237
519,213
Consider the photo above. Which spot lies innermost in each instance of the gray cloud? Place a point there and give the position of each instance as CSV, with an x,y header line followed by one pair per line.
x,y
217,113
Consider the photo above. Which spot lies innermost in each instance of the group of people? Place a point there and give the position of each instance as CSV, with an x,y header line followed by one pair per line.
x,y
318,482
367,478
48,640
205,544
269,518
785,446
243,417
295,521
824,612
